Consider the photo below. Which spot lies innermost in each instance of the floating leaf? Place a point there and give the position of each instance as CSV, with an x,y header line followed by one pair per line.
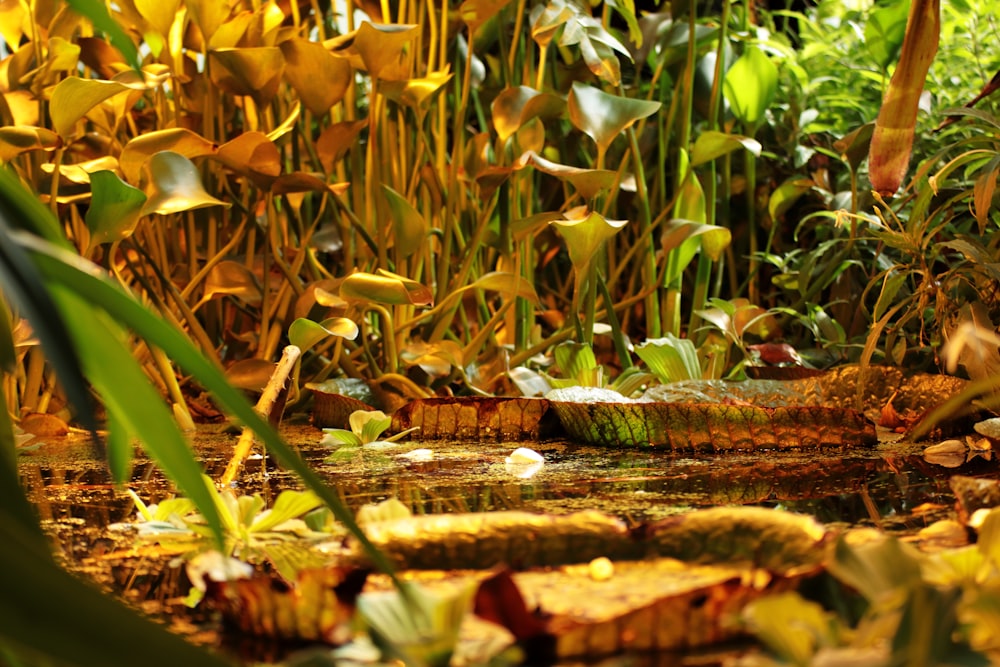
x,y
385,287
751,85
305,333
601,116
480,419
320,78
176,186
115,208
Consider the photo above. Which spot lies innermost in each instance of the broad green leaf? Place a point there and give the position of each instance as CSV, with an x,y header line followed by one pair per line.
x,y
178,140
47,611
338,437
785,195
585,233
751,85
408,225
127,392
587,182
119,450
685,237
385,287
712,144
96,11
320,78
73,97
254,72
575,360
880,570
368,425
18,139
792,627
288,505
516,105
416,93
176,186
115,208
884,32
671,359
61,266
892,141
601,116
305,333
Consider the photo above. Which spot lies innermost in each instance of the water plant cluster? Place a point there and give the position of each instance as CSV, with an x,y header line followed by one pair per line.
x,y
447,199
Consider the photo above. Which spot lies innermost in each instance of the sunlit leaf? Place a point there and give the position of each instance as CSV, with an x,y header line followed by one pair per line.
x,y
892,141
336,139
853,146
73,97
288,505
506,283
409,226
253,154
516,105
626,9
230,278
587,182
115,208
416,93
714,239
603,117
175,185
159,13
792,627
368,425
178,140
385,50
385,287
982,193
320,78
254,71
671,359
305,333
477,12
96,11
751,85
712,144
585,232
17,139
786,194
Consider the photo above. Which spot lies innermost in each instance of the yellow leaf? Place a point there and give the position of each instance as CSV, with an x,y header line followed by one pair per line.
x,y
319,77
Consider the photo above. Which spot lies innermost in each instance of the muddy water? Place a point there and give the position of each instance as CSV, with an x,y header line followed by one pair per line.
x,y
890,486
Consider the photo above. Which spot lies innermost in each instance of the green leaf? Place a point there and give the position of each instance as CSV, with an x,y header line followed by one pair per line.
x,y
115,208
671,359
385,287
409,227
601,116
96,11
288,505
176,186
787,194
792,627
516,105
712,144
589,183
305,333
586,235
73,97
751,85
46,611
884,33
119,448
575,360
61,266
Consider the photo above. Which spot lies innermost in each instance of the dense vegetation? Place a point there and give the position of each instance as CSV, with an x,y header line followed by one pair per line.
x,y
428,196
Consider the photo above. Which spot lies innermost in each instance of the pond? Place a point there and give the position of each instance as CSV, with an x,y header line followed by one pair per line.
x,y
891,487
